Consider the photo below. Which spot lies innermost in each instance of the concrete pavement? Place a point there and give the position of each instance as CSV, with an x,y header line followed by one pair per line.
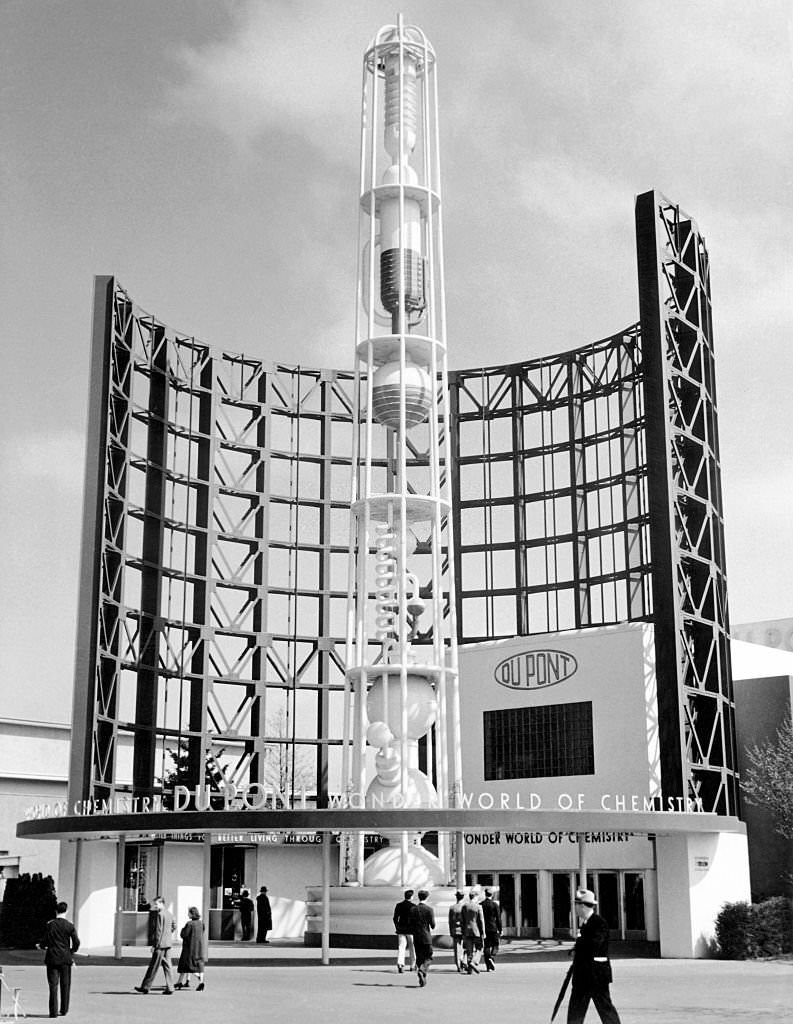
x,y
366,988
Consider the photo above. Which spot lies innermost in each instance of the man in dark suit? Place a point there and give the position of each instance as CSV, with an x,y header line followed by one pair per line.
x,y
491,912
591,965
61,942
422,919
246,915
456,929
403,926
162,929
264,916
473,927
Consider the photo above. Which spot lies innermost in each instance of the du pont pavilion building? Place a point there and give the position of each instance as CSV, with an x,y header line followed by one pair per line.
x,y
596,701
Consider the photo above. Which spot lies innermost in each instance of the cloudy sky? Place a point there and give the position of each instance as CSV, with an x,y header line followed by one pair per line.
x,y
206,153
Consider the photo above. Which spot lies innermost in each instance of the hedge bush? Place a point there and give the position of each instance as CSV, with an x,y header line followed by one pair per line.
x,y
28,903
773,926
748,930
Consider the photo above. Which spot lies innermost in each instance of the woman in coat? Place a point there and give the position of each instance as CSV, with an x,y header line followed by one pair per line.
x,y
191,959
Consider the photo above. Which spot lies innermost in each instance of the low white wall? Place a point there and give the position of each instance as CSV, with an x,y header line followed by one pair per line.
x,y
697,875
95,897
287,872
182,879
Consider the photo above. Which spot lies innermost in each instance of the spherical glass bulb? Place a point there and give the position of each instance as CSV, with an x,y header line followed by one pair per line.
x,y
389,383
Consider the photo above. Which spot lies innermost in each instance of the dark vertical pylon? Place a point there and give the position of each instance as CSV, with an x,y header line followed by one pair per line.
x,y
691,619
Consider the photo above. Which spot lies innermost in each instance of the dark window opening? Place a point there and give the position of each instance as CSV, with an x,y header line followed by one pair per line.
x,y
542,742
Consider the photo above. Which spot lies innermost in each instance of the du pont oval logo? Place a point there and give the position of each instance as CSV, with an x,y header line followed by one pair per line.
x,y
534,669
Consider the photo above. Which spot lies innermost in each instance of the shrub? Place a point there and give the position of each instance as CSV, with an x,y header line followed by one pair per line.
x,y
734,931
28,903
745,930
773,926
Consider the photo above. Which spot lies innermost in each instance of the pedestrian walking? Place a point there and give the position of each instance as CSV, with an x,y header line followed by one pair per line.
x,y
162,927
246,915
491,912
61,943
191,959
456,929
591,965
264,916
404,930
473,926
422,924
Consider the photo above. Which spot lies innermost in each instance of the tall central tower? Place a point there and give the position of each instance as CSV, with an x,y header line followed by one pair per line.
x,y
402,711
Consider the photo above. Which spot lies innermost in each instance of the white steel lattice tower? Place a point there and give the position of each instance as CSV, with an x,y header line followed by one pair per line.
x,y
402,708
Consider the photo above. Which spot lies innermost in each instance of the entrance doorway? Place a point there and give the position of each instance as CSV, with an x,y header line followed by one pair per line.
x,y
635,923
517,897
227,881
607,892
620,896
620,900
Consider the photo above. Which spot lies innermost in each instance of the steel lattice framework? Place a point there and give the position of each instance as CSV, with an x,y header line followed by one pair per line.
x,y
585,487
687,530
215,582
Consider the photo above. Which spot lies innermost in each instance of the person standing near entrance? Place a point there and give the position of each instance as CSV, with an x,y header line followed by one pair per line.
x,y
61,942
162,929
591,965
264,916
422,921
403,924
246,915
491,912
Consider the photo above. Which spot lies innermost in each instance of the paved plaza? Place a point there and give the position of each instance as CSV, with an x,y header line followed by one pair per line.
x,y
292,986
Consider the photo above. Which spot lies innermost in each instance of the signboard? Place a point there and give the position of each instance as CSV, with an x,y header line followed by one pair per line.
x,y
532,670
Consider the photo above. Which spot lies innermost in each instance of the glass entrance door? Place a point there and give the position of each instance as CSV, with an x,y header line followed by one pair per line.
x,y
562,905
506,899
635,924
529,909
608,897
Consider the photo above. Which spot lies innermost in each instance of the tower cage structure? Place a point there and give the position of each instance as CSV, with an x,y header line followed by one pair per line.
x,y
403,724
585,490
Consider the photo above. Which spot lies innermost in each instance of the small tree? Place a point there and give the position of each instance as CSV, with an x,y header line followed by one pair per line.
x,y
179,774
769,779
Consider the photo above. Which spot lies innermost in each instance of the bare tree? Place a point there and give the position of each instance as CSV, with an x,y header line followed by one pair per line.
x,y
769,779
288,767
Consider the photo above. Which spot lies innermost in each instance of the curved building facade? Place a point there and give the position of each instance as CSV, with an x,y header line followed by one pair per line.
x,y
210,667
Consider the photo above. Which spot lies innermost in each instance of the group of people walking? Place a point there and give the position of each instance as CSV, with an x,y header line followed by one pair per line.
x,y
161,937
474,927
475,930
414,924
191,958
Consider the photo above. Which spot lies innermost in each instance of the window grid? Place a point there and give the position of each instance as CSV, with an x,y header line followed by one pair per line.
x,y
539,742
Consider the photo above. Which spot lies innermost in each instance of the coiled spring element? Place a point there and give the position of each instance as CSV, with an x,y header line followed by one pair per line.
x,y
386,592
404,85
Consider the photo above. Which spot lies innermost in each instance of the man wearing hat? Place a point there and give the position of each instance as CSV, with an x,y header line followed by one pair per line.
x,y
591,965
491,912
456,929
264,916
422,922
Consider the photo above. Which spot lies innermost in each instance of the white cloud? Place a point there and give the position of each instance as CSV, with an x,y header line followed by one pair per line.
x,y
572,193
270,74
57,458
